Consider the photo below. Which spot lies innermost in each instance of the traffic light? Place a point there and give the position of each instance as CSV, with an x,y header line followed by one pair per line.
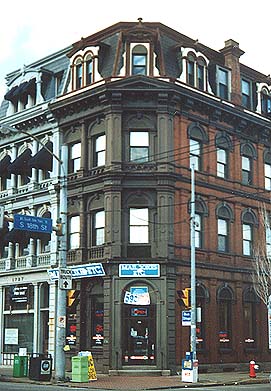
x,y
185,297
72,300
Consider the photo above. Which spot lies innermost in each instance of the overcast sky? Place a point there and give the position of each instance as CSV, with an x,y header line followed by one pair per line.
x,y
30,30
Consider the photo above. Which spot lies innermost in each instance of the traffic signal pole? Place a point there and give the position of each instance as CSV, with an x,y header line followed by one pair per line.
x,y
193,334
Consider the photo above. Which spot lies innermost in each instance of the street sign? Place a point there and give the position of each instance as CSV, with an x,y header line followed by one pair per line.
x,y
65,278
33,223
186,318
2,212
80,271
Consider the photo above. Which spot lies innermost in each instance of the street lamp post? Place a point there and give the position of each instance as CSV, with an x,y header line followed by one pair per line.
x,y
60,322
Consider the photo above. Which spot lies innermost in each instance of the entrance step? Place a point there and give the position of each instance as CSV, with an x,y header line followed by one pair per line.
x,y
139,371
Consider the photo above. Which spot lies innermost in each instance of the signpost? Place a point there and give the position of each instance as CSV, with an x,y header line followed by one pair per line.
x,y
33,223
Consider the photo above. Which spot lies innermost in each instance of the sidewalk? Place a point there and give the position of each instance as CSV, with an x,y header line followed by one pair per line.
x,y
146,382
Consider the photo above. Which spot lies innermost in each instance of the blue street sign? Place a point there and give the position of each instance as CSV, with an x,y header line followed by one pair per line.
x,y
33,223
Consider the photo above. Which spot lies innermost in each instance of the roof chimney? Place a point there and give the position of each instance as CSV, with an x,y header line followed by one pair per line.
x,y
232,53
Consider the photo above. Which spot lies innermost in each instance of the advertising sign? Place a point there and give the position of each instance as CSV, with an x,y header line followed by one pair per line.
x,y
139,270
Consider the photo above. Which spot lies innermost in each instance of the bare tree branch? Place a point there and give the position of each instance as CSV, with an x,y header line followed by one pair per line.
x,y
262,260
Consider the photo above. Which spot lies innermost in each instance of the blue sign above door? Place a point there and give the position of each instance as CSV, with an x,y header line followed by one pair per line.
x,y
139,270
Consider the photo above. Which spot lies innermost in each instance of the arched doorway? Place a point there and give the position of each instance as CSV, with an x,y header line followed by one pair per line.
x,y
139,325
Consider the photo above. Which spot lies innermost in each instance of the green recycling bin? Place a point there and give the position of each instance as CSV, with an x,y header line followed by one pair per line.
x,y
20,366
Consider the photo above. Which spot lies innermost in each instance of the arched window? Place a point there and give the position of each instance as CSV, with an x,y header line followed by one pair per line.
x,y
250,304
224,216
201,74
202,296
89,70
225,300
248,154
249,220
223,145
191,61
78,73
265,101
200,212
197,136
139,60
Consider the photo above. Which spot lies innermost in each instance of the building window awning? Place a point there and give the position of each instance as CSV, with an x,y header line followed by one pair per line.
x,y
17,236
43,159
4,164
20,165
20,90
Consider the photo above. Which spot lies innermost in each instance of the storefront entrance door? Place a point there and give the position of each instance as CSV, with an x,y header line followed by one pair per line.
x,y
139,335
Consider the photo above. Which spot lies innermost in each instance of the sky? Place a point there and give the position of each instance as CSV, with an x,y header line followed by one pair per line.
x,y
31,30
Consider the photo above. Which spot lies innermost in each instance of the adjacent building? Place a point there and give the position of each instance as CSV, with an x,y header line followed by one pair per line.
x,y
136,104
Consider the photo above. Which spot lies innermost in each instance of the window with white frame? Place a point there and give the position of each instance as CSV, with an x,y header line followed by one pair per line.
x,y
89,70
195,154
222,163
267,169
267,176
139,225
247,239
191,70
268,240
222,235
100,148
78,74
222,83
139,146
246,93
99,228
265,101
246,170
75,157
198,230
139,60
74,232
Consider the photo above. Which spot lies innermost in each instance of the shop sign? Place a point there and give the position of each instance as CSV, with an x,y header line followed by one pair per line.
x,y
139,270
82,271
136,311
19,293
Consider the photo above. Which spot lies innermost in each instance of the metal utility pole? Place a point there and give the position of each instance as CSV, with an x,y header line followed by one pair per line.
x,y
60,324
193,334
60,363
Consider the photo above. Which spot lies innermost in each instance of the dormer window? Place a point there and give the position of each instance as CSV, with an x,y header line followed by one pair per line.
x,y
139,60
195,69
265,101
89,70
85,68
79,74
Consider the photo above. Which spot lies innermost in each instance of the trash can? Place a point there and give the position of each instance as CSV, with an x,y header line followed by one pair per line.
x,y
80,369
20,366
40,367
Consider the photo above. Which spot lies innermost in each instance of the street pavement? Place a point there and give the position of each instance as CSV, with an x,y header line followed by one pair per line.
x,y
146,382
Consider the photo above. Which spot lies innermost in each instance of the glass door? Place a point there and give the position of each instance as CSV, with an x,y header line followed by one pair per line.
x,y
139,335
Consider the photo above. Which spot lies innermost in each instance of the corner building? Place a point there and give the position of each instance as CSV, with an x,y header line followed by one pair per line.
x,y
136,104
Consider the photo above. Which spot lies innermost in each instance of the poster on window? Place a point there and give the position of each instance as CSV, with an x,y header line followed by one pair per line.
x,y
137,298
11,336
